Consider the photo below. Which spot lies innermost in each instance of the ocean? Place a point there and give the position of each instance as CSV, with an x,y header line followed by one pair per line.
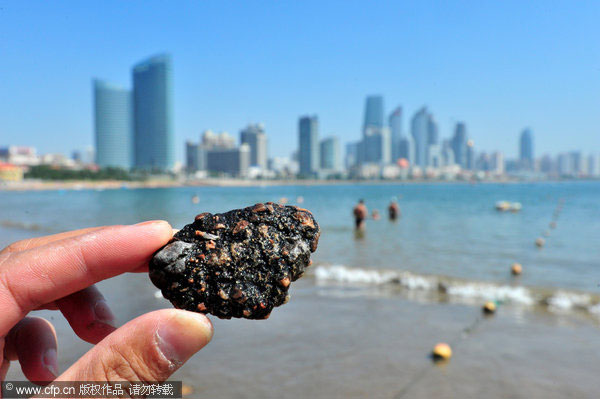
x,y
361,322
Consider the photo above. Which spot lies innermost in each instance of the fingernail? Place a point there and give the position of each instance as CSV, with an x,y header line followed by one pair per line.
x,y
50,362
103,314
179,337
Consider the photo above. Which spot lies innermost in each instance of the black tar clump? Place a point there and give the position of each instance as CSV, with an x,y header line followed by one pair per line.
x,y
239,263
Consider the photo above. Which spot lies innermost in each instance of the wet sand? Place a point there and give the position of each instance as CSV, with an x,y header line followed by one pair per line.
x,y
337,342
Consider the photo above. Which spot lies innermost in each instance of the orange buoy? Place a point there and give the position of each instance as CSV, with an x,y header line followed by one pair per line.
x,y
489,307
442,351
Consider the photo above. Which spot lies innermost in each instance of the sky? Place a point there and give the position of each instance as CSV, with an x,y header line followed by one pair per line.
x,y
499,66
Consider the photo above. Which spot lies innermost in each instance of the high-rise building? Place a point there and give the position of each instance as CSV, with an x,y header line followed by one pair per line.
x,y
576,161
447,153
593,165
547,164
395,123
330,154
254,135
420,133
233,161
526,149
373,112
308,149
113,125
191,157
470,155
352,154
459,144
376,146
153,113
497,163
406,149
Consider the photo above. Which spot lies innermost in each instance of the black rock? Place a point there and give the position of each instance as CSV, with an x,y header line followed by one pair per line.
x,y
236,264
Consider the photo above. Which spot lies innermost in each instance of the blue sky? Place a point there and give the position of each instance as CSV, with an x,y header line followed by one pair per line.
x,y
497,65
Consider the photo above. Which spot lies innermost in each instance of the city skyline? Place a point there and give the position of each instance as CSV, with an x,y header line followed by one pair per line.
x,y
553,89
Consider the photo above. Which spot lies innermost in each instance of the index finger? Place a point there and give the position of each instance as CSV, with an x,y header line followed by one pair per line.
x,y
31,278
39,241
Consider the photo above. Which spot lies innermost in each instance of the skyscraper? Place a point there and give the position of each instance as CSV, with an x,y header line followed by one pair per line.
x,y
330,154
308,150
376,144
459,144
113,125
420,133
373,112
526,149
407,149
352,154
254,135
395,122
470,155
153,113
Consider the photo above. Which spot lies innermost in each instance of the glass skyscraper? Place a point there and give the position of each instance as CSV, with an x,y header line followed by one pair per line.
x,y
254,135
420,132
308,152
459,144
526,149
330,154
373,112
113,127
395,122
153,113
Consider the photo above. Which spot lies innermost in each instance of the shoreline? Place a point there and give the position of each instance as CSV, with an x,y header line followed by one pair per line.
x,y
49,185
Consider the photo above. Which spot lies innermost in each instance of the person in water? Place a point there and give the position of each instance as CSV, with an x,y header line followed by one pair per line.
x,y
393,210
360,214
375,214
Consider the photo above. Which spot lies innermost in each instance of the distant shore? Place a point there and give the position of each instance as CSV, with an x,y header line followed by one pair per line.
x,y
41,185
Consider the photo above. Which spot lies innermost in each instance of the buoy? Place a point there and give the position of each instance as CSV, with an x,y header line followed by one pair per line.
x,y
502,206
283,200
546,233
489,307
553,225
300,199
516,269
540,242
195,199
442,351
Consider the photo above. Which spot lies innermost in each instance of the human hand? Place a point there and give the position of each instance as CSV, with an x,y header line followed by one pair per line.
x,y
58,272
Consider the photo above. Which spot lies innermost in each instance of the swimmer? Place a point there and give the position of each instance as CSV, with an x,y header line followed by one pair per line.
x,y
360,214
393,210
375,214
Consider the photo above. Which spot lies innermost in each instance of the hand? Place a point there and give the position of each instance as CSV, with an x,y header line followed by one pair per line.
x,y
58,272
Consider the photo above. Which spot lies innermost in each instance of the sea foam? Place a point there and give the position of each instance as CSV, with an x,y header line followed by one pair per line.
x,y
458,289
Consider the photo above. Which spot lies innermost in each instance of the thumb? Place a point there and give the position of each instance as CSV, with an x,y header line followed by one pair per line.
x,y
148,348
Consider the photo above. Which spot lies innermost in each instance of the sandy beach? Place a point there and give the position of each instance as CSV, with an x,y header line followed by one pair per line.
x,y
340,344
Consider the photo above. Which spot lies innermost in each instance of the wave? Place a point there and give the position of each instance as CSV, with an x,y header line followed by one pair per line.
x,y
455,289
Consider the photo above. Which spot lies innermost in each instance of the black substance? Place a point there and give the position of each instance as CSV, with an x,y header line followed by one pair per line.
x,y
236,264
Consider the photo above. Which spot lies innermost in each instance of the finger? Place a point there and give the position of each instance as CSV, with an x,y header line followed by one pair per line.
x,y
34,277
4,362
33,342
47,306
4,366
39,241
149,348
88,314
